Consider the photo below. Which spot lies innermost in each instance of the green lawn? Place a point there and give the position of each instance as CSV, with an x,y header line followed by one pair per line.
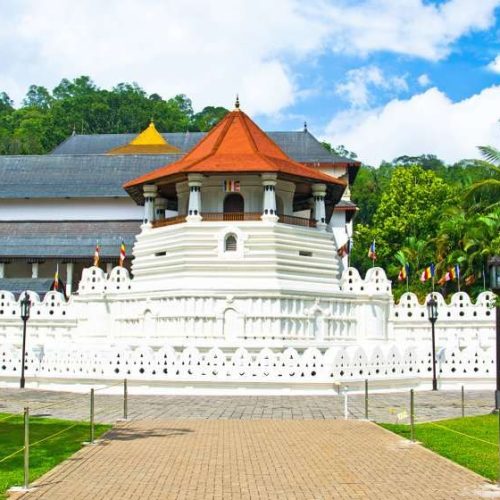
x,y
477,450
43,456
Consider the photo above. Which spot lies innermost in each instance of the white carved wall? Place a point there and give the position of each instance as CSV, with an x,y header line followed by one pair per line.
x,y
109,330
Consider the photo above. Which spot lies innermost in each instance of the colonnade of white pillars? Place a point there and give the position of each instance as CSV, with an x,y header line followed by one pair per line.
x,y
155,206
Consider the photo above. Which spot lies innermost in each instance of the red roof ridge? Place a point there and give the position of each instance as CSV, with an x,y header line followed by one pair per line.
x,y
248,133
228,123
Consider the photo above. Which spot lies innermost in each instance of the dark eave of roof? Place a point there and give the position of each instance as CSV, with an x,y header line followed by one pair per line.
x,y
65,239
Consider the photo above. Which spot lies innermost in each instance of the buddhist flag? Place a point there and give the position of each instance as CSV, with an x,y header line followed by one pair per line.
x,y
403,274
231,186
96,255
470,280
427,273
56,279
372,253
123,254
450,275
344,249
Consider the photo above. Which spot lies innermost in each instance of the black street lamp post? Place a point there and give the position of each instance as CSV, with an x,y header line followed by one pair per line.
x,y
432,311
494,264
25,316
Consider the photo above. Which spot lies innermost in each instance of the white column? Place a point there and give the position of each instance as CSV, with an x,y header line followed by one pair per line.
x,y
2,269
34,270
319,193
194,205
150,192
269,201
69,278
160,207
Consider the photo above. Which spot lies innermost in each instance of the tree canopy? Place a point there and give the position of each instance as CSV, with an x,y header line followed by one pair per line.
x,y
46,118
421,211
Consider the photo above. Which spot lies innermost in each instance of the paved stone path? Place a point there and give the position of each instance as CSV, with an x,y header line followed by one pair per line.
x,y
257,459
382,407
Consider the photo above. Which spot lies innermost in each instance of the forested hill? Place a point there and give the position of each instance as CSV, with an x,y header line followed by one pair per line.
x,y
46,118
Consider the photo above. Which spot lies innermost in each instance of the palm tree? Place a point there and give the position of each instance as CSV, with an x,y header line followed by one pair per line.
x,y
491,185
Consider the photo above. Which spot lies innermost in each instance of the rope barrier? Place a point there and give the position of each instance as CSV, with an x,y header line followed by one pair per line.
x,y
462,434
108,386
55,434
12,455
51,405
10,416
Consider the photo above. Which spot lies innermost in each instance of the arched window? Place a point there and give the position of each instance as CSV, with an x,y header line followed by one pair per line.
x,y
230,243
234,203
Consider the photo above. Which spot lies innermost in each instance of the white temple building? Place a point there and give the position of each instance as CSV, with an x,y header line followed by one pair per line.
x,y
240,287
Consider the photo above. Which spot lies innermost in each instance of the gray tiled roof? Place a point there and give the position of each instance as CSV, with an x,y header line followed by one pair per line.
x,y
19,285
102,143
45,176
301,146
66,239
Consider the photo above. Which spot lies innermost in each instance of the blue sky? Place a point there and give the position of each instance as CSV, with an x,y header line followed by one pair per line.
x,y
382,77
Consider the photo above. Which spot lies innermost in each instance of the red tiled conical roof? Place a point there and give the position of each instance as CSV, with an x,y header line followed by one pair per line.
x,y
235,145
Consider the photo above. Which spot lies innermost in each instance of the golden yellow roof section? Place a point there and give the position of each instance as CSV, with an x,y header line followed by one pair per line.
x,y
148,142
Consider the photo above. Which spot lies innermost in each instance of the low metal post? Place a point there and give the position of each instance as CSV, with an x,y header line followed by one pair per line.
x,y
412,415
366,399
346,408
125,400
26,448
91,415
463,401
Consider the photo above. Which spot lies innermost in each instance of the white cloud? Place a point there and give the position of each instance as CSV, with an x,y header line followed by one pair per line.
x,y
360,82
426,123
211,49
424,80
495,65
410,27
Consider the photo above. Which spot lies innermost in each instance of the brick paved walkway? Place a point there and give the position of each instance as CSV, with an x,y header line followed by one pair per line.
x,y
382,407
257,459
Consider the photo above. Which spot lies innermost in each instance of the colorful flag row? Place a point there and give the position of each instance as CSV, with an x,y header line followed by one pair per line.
x,y
121,259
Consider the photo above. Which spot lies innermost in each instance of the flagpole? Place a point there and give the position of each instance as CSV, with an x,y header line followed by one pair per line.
x,y
432,284
407,289
484,280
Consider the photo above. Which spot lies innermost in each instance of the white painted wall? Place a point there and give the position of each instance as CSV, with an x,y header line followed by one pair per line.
x,y
111,331
54,209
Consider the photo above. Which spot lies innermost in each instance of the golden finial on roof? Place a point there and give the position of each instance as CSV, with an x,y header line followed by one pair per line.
x,y
149,141
237,103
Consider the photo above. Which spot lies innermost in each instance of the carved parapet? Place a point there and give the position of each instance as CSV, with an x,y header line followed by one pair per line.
x,y
94,280
375,282
459,308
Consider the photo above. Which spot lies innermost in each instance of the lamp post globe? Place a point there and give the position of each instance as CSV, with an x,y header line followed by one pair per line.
x,y
432,312
25,304
494,266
